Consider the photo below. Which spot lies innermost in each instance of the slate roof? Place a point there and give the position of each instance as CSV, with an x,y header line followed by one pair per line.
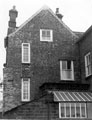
x,y
85,33
79,34
47,9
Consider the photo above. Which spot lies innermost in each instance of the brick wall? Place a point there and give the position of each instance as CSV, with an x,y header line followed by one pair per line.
x,y
45,57
11,92
39,109
85,46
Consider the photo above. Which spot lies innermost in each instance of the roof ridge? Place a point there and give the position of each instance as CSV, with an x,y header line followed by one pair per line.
x,y
45,7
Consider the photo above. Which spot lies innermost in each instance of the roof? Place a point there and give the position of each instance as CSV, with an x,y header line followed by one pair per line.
x,y
63,96
85,34
43,8
79,34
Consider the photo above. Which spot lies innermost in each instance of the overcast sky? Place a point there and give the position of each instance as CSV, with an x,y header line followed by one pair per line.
x,y
77,16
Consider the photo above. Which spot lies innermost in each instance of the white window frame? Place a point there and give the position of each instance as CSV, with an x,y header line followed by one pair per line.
x,y
23,61
61,71
22,90
87,65
46,39
74,111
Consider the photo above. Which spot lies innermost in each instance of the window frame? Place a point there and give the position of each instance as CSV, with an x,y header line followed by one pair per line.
x,y
61,70
80,109
51,35
23,52
22,90
88,65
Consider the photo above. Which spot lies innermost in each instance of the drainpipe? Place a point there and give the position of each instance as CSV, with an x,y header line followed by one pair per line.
x,y
48,110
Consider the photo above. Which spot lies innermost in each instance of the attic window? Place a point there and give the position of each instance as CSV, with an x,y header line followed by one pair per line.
x,y
46,35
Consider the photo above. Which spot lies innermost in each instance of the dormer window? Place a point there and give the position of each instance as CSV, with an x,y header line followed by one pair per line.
x,y
66,70
46,35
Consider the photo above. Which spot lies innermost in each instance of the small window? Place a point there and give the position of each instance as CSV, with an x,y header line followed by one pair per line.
x,y
25,52
25,89
88,69
66,70
72,110
46,35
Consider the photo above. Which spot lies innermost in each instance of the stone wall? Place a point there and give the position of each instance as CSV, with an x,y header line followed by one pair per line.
x,y
45,57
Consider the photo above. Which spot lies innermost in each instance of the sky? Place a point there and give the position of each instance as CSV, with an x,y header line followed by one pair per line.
x,y
77,16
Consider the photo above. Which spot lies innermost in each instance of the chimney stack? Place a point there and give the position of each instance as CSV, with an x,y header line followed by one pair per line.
x,y
12,22
60,16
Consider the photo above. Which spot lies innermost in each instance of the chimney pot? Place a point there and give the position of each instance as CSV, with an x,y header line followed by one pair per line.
x,y
60,16
12,22
57,10
14,7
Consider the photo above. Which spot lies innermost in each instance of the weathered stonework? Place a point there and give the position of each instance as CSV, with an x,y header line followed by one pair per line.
x,y
44,66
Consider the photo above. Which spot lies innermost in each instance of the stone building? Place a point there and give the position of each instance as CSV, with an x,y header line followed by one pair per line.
x,y
48,70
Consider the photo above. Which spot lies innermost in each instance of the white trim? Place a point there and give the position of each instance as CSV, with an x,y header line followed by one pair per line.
x,y
89,95
86,65
22,87
72,66
43,8
70,112
60,70
76,96
85,96
56,96
59,110
72,71
51,35
71,96
75,110
80,111
85,111
66,96
80,96
65,109
61,96
28,53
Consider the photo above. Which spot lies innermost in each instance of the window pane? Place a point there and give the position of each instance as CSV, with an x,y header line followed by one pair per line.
x,y
64,65
69,74
25,52
69,65
25,89
48,33
88,64
67,70
62,110
73,110
43,33
88,59
89,69
67,109
83,110
78,110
